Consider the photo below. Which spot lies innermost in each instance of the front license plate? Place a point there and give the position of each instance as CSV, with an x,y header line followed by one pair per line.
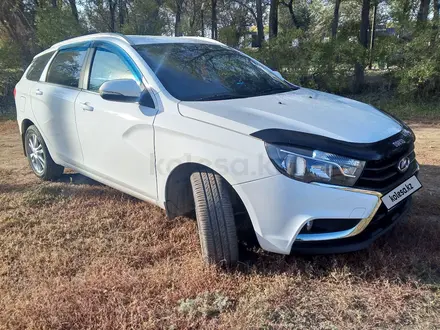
x,y
401,192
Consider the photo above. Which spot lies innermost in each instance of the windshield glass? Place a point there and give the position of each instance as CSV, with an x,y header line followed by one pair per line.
x,y
202,72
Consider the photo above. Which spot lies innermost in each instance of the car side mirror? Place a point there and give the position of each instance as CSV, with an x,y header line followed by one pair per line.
x,y
120,90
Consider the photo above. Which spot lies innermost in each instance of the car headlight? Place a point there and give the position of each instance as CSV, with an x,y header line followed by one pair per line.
x,y
315,166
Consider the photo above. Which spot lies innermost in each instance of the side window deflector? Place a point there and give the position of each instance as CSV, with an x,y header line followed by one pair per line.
x,y
146,100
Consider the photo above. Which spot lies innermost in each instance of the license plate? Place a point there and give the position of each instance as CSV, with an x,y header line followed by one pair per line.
x,y
401,192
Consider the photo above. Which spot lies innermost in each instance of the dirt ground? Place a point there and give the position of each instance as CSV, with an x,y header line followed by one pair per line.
x,y
75,254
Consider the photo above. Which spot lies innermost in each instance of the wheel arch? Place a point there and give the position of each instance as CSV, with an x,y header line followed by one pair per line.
x,y
25,124
179,198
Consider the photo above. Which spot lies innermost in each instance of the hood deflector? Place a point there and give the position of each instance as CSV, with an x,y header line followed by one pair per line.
x,y
360,151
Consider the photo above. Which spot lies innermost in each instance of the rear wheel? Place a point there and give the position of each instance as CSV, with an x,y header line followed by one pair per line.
x,y
38,156
215,217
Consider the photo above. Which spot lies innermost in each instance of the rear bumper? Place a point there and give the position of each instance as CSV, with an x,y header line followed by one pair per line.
x,y
381,223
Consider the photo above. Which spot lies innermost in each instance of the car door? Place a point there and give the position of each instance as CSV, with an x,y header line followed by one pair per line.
x,y
117,138
53,103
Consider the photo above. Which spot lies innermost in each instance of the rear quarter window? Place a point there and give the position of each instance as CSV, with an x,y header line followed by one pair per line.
x,y
37,66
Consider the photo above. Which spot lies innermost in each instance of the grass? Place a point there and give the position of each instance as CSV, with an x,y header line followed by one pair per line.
x,y
75,254
412,110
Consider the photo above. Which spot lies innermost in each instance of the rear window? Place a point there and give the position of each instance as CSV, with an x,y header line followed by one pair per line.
x,y
66,67
37,66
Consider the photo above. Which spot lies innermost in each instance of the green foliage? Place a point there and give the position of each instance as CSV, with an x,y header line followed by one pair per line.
x,y
230,36
10,72
419,72
145,18
54,25
406,62
312,62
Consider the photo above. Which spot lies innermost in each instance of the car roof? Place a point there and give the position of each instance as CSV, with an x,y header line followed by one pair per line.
x,y
131,40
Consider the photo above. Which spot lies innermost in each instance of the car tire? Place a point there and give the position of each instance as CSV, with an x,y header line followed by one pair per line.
x,y
39,157
215,218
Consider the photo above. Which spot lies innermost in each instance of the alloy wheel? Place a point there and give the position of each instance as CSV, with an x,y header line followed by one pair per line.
x,y
36,153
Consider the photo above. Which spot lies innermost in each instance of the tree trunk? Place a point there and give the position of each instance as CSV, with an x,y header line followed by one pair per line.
x,y
363,40
289,5
372,35
192,20
214,33
177,26
54,4
74,9
422,16
273,19
260,27
335,22
435,22
436,13
121,12
112,9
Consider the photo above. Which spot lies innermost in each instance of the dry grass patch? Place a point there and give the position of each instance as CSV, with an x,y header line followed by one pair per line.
x,y
75,254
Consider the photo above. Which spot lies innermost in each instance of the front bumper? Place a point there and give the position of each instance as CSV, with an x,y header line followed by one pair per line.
x,y
280,207
381,223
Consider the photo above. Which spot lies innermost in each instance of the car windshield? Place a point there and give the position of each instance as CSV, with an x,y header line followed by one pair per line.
x,y
203,72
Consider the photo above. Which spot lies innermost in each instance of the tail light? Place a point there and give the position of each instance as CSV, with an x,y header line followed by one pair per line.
x,y
15,91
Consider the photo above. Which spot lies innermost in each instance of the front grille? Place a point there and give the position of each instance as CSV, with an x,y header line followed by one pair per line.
x,y
382,175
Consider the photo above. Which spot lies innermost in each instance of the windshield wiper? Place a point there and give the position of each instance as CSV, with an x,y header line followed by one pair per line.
x,y
221,96
275,90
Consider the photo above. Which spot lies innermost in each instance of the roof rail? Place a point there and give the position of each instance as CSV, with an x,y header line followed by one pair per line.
x,y
119,36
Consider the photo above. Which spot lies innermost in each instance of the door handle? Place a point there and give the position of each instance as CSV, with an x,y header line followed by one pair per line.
x,y
86,106
38,92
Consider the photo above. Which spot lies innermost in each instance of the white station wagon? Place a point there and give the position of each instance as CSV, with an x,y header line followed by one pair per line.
x,y
192,125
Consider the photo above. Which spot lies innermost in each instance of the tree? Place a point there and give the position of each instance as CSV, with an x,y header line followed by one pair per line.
x,y
214,30
423,13
435,22
260,26
121,11
74,9
146,17
17,20
289,6
257,14
335,21
436,14
112,8
178,25
363,40
273,19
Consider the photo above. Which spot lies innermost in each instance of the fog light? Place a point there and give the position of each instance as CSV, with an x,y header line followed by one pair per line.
x,y
309,225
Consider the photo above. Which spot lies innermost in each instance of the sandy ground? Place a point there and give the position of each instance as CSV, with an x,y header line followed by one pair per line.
x,y
75,254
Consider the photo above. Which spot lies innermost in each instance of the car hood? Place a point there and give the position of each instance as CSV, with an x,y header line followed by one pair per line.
x,y
303,110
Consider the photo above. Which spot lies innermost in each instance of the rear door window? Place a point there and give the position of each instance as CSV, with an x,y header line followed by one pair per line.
x,y
65,68
37,66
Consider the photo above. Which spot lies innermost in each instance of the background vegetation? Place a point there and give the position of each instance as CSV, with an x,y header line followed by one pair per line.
x,y
384,52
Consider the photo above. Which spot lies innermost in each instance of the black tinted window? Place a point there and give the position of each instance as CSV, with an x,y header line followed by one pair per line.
x,y
65,68
197,72
37,66
107,66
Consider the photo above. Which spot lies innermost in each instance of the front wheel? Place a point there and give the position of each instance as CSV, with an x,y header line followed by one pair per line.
x,y
215,217
38,156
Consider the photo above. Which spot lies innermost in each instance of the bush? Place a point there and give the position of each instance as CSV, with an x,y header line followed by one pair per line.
x,y
10,73
419,73
310,61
